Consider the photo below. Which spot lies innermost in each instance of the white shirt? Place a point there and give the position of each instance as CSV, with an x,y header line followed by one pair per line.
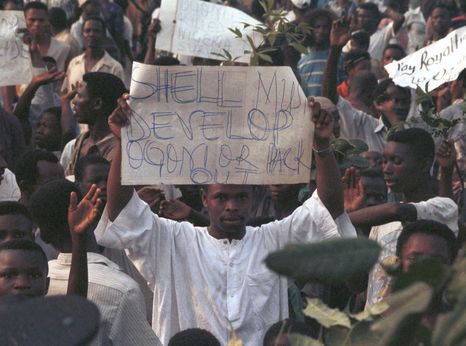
x,y
200,281
118,297
9,190
440,209
379,40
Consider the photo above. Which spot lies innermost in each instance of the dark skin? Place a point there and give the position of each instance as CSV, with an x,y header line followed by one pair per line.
x,y
231,204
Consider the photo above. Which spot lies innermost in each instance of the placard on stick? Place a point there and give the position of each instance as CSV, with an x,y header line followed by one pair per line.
x,y
15,61
206,125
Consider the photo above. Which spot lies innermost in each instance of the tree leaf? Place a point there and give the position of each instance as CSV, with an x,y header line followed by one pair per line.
x,y
451,331
265,57
325,315
373,311
329,261
296,339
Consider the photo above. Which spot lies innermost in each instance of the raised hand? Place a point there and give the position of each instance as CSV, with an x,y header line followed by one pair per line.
x,y
446,154
120,116
353,190
152,195
323,121
48,77
341,32
83,215
175,210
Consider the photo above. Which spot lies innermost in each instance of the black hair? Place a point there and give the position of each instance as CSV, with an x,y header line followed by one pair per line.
x,y
57,18
49,208
380,91
397,47
97,19
429,227
106,86
166,61
441,6
194,337
26,168
311,16
25,245
420,142
56,112
362,38
14,208
85,161
286,326
90,3
355,56
370,7
35,5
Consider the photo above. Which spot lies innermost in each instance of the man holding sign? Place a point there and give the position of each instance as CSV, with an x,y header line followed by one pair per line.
x,y
206,276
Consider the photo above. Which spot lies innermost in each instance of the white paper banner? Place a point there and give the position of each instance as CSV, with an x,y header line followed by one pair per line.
x,y
199,28
435,64
204,125
15,61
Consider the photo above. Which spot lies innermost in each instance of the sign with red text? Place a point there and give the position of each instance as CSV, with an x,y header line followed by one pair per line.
x,y
209,124
431,66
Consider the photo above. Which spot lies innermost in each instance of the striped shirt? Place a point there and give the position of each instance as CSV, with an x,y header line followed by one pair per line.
x,y
311,71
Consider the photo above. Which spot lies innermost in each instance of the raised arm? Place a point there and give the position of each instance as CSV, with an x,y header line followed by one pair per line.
x,y
339,35
383,213
152,31
118,195
329,185
81,218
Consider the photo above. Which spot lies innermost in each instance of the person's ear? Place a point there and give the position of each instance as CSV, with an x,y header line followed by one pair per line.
x,y
98,103
204,197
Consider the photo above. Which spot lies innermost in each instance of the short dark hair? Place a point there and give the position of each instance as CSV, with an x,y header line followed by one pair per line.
x,y
395,46
286,326
26,168
420,141
312,15
362,37
85,161
35,5
14,208
49,207
194,337
97,19
57,18
106,86
370,7
166,61
25,245
355,56
441,6
429,227
381,89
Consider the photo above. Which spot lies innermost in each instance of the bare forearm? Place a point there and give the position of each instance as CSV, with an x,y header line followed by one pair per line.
x,y
382,214
329,86
150,52
445,183
329,185
68,122
118,195
78,279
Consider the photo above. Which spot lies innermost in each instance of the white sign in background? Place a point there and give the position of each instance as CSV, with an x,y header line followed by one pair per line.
x,y
431,66
199,28
15,61
205,125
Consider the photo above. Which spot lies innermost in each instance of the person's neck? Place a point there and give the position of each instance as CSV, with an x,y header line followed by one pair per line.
x,y
94,53
98,130
422,191
219,234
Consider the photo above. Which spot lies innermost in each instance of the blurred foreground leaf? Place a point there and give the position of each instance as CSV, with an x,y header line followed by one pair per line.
x,y
325,315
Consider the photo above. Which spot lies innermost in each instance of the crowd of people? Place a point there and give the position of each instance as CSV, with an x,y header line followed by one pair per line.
x,y
190,270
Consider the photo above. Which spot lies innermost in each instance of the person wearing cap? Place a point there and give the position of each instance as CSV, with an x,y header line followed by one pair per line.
x,y
355,62
298,10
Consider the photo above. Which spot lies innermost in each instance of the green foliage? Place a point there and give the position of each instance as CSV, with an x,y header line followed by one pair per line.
x,y
331,261
326,316
348,153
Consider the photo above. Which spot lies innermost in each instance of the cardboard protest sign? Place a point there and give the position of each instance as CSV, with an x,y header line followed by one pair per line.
x,y
435,64
204,125
199,28
15,61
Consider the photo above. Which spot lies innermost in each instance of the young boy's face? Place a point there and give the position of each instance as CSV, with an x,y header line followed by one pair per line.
x,y
23,272
15,226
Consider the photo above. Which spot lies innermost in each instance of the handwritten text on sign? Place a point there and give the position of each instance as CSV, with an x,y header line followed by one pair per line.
x,y
435,64
199,28
205,125
15,61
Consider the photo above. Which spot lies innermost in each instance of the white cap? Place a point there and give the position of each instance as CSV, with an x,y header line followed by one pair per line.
x,y
301,4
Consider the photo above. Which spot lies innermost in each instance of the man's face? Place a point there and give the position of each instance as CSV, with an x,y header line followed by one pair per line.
x,y
361,66
15,226
424,245
48,133
397,104
440,20
401,170
93,34
23,273
375,191
95,174
391,55
82,105
366,20
37,21
321,31
229,208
